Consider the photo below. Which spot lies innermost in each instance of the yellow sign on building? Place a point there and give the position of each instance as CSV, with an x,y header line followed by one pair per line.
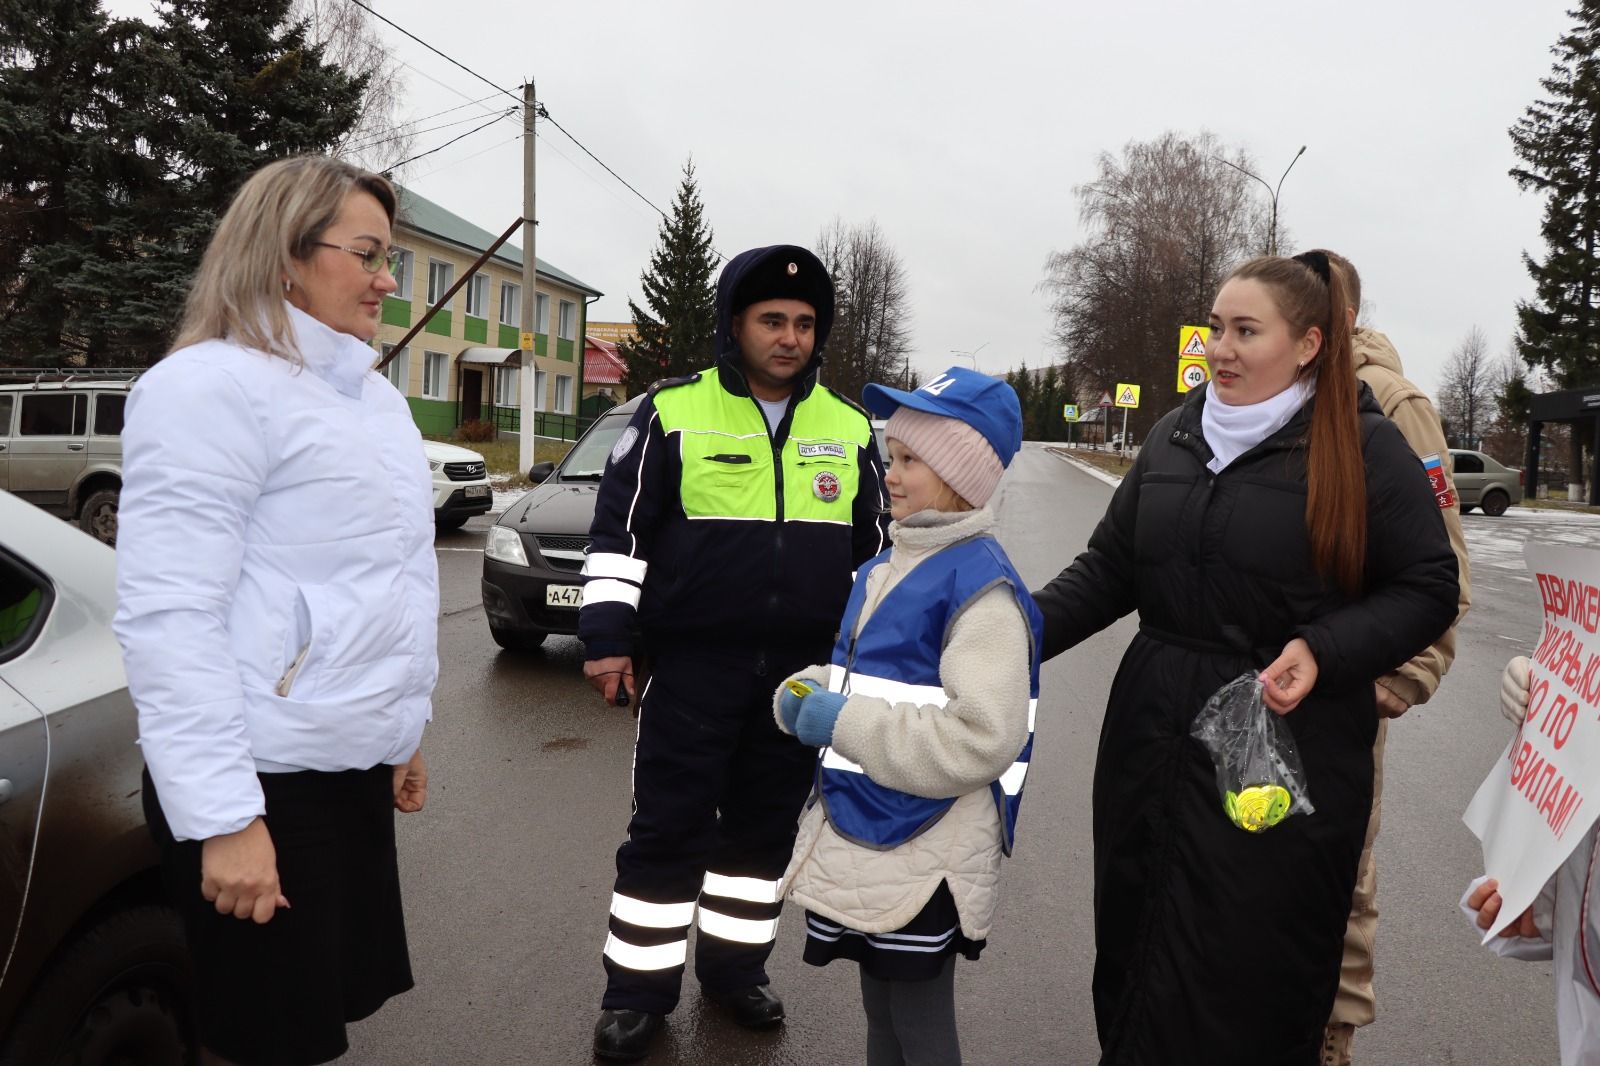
x,y
1127,395
1192,341
525,341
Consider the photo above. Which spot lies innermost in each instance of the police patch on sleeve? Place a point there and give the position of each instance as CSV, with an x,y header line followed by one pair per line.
x,y
624,445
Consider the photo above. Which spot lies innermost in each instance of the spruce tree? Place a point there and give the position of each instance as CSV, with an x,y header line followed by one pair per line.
x,y
677,334
1558,140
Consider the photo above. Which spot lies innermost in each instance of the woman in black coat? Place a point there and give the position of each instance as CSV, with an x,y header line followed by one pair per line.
x,y
1275,523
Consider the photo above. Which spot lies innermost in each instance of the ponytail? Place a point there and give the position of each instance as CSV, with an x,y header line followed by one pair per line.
x,y
1312,291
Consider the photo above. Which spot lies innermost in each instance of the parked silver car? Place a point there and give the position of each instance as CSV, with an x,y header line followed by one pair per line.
x,y
93,969
61,448
1481,481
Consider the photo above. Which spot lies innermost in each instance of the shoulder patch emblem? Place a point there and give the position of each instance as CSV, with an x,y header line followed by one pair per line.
x,y
624,445
811,451
1442,491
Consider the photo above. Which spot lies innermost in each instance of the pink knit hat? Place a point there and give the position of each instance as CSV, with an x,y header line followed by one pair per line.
x,y
959,454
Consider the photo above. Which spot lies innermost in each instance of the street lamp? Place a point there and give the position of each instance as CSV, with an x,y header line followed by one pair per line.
x,y
973,355
1272,230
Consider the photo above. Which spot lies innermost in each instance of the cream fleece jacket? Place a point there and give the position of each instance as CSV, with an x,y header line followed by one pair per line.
x,y
1408,407
954,751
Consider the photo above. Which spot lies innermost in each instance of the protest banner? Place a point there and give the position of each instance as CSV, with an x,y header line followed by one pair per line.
x,y
1543,793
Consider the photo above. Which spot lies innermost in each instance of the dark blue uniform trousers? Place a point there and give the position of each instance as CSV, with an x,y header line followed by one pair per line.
x,y
717,793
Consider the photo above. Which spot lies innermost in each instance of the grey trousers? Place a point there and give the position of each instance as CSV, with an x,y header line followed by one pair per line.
x,y
912,1023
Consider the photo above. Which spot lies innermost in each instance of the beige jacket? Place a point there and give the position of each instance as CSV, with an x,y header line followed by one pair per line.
x,y
927,751
1378,364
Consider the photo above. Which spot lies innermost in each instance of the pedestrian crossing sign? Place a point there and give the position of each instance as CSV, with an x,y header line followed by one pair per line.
x,y
1069,412
1192,341
1127,395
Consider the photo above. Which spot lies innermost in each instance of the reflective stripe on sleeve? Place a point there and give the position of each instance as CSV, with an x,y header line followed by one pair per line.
x,y
651,915
897,691
1011,780
609,590
634,957
612,564
749,889
738,930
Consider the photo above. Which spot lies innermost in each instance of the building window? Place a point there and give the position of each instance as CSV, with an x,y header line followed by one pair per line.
x,y
402,275
478,296
563,394
541,315
569,320
510,304
435,365
538,389
399,369
505,388
440,275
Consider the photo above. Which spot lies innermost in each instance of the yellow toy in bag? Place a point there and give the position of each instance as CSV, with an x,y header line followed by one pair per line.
x,y
1259,775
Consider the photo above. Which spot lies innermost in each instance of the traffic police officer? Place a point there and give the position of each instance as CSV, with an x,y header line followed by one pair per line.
x,y
733,511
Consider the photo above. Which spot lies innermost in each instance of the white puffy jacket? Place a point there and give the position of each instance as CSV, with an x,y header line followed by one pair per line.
x,y
272,513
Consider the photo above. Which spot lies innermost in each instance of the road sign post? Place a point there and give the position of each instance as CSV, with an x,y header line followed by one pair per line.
x,y
1192,368
1127,399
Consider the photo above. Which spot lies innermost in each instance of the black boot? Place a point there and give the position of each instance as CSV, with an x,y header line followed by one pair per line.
x,y
625,1035
756,1007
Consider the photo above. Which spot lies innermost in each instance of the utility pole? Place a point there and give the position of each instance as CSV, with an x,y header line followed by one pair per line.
x,y
530,281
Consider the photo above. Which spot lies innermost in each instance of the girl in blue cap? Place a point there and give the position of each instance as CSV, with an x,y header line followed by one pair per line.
x,y
925,721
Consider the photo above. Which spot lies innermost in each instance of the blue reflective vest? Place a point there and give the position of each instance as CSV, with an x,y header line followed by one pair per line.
x,y
896,657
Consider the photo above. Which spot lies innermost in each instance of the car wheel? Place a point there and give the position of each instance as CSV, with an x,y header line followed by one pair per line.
x,y
98,516
517,639
1495,503
450,523
119,993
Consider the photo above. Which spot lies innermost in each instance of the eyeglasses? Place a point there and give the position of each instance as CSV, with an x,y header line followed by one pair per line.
x,y
371,258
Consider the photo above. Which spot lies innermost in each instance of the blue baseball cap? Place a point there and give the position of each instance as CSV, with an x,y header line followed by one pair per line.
x,y
987,404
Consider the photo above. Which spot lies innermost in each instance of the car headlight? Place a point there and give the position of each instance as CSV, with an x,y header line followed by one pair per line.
x,y
435,465
505,545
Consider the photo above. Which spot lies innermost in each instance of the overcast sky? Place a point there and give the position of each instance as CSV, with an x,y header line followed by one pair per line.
x,y
963,129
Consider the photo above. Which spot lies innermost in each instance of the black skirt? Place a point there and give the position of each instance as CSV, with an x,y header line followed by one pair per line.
x,y
280,994
914,952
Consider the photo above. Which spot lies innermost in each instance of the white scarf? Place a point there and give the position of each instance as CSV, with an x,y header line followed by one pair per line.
x,y
1232,431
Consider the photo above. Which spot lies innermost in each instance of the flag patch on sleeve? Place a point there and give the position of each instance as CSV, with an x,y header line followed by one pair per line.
x,y
1440,484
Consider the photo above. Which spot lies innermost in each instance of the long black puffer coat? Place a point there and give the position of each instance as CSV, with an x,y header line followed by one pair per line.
x,y
1215,945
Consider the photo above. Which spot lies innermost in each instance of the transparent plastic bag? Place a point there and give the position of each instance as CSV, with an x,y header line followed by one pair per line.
x,y
1259,775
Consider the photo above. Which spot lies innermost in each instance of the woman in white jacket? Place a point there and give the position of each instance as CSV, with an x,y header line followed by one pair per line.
x,y
277,609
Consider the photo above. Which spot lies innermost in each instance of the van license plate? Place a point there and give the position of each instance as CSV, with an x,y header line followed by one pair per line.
x,y
562,595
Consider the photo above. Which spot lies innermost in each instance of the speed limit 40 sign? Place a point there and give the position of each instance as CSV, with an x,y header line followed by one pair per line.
x,y
1192,373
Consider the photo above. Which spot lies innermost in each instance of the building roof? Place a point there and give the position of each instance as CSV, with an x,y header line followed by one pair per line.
x,y
419,213
601,363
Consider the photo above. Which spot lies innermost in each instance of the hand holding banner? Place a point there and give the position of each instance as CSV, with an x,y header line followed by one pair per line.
x,y
1539,799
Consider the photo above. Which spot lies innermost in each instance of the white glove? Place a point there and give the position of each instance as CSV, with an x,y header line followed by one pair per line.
x,y
1514,689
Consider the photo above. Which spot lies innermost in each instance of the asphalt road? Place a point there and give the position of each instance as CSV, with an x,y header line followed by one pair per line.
x,y
508,871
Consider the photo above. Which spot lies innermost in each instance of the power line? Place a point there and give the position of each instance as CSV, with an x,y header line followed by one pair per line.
x,y
435,51
544,114
469,158
400,130
433,129
446,144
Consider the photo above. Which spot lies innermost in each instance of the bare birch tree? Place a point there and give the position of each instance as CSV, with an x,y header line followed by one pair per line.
x,y
1466,391
871,337
351,42
1166,222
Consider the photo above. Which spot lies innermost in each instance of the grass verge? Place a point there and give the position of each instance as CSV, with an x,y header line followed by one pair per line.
x,y
1110,462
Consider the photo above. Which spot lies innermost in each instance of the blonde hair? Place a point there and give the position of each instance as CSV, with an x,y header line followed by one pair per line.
x,y
271,227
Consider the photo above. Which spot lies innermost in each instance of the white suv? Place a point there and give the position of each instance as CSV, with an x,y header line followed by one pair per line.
x,y
460,484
